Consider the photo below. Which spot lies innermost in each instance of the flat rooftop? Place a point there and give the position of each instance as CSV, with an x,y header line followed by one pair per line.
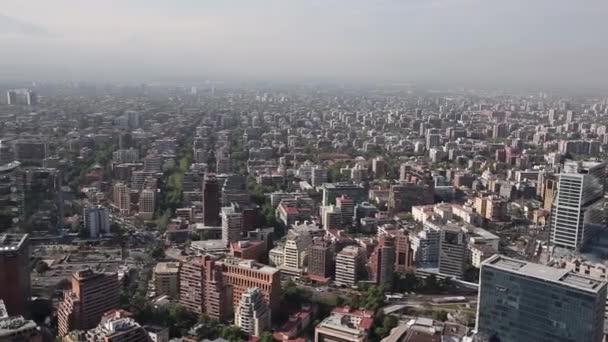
x,y
12,242
547,273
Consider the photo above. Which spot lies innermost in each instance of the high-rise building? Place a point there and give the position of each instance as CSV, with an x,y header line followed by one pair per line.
x,y
523,301
122,198
403,196
92,295
333,190
347,209
452,251
382,262
252,314
147,204
577,213
11,97
214,288
166,279
191,284
318,176
331,217
12,194
379,167
349,263
15,283
295,252
232,222
243,274
426,246
211,201
320,259
97,221
113,329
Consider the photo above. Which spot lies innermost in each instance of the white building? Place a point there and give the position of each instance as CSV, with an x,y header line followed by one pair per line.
x,y
252,315
232,222
349,262
577,212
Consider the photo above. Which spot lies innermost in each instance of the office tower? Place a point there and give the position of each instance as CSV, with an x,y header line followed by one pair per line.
x,y
379,167
11,97
318,176
133,119
500,130
452,251
295,252
153,163
426,247
191,284
92,295
404,254
147,204
347,209
12,194
433,140
382,262
217,292
252,314
121,198
15,284
333,190
232,222
349,262
331,217
97,221
211,201
166,279
31,152
31,99
243,274
523,301
577,213
345,324
320,259
403,196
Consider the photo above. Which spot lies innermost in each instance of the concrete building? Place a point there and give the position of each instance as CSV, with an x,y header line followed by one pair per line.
x,y
122,198
17,329
523,301
92,295
331,217
347,209
147,204
252,315
15,283
211,201
232,221
320,259
382,262
97,221
349,264
577,212
425,244
345,325
295,252
166,279
191,284
115,329
333,190
452,251
318,176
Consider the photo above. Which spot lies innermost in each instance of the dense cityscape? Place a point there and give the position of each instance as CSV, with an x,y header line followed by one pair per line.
x,y
262,212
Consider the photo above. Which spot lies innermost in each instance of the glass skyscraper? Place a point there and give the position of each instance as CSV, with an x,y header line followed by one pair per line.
x,y
522,301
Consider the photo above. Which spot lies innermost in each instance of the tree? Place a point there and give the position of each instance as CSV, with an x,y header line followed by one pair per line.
x,y
233,333
42,267
266,336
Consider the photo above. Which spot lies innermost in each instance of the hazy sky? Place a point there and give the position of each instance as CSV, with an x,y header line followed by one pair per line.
x,y
545,42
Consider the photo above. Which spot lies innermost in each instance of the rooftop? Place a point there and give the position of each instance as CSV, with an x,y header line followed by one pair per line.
x,y
166,267
547,273
12,242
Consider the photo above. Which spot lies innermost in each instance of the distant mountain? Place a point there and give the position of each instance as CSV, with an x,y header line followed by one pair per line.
x,y
9,25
